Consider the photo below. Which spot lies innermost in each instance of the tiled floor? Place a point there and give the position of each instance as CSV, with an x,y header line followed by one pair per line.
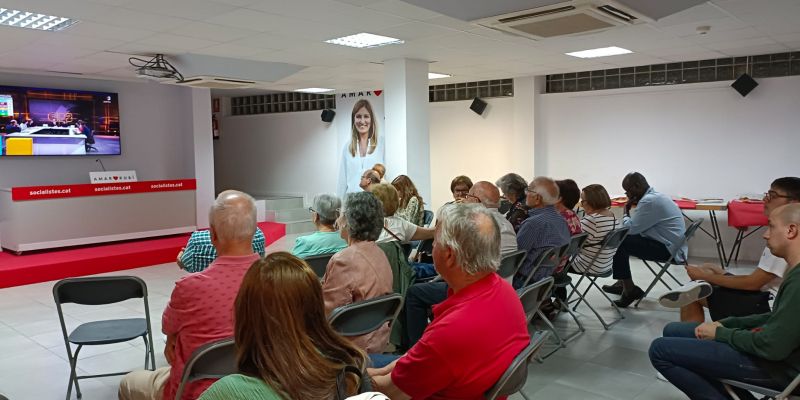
x,y
598,365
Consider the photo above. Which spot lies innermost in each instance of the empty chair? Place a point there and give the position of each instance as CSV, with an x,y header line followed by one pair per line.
x,y
363,317
516,374
663,266
319,263
210,361
99,291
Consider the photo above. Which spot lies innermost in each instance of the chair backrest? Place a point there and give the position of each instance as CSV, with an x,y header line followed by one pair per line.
x,y
517,373
546,256
574,246
209,361
612,241
690,231
425,246
363,317
532,296
511,263
427,217
319,263
93,291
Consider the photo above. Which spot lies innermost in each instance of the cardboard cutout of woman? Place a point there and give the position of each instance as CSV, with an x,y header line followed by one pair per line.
x,y
365,148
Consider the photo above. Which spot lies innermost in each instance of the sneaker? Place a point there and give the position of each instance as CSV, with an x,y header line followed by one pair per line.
x,y
686,294
613,289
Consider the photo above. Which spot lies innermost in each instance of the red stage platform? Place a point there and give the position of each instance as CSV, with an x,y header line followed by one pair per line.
x,y
43,266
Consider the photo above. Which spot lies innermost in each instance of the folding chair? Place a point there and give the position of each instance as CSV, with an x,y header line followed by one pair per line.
x,y
513,379
427,218
532,297
664,266
786,394
563,280
210,361
319,263
612,241
546,256
511,263
363,317
99,291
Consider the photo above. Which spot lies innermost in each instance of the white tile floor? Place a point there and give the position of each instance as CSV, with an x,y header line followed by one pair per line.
x,y
598,365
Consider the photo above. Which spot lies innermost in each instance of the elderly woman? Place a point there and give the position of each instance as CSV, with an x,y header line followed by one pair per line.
x,y
394,227
513,187
326,240
569,195
598,222
411,204
361,271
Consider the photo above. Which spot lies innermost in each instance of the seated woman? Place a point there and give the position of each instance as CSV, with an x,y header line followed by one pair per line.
x,y
597,223
361,271
411,205
302,356
394,227
568,197
326,240
513,188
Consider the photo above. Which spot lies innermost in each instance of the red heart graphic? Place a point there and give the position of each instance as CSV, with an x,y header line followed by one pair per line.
x,y
116,177
377,92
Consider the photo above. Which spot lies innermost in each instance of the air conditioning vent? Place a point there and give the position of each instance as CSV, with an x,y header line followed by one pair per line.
x,y
617,13
212,82
537,14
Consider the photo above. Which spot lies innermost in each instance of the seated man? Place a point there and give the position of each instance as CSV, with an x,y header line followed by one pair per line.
x,y
655,224
736,295
477,330
544,228
422,296
369,178
200,309
200,252
760,349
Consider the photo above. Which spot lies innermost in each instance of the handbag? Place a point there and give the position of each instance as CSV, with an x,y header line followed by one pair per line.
x,y
341,382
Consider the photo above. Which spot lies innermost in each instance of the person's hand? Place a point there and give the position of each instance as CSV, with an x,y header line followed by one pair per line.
x,y
178,259
630,205
707,330
382,371
696,273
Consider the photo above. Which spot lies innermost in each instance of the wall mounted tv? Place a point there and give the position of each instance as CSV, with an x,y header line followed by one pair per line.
x,y
57,122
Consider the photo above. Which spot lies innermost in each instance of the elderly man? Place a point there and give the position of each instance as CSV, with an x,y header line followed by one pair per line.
x,y
421,297
477,331
544,228
369,178
200,309
761,349
655,224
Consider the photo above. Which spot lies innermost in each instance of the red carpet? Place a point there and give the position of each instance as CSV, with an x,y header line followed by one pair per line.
x,y
43,266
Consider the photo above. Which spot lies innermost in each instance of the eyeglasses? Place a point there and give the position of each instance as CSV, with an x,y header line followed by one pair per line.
x,y
311,210
529,190
463,191
472,196
771,195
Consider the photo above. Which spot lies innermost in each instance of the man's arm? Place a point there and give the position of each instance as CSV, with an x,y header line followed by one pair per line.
x,y
754,281
169,348
643,219
384,384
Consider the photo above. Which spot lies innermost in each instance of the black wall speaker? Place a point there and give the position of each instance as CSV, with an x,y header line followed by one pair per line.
x,y
744,84
327,115
478,105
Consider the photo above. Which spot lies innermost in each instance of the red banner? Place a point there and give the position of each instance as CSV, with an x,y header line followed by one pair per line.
x,y
103,189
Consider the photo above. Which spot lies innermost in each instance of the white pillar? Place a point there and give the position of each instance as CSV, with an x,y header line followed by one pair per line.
x,y
203,154
539,146
407,122
524,127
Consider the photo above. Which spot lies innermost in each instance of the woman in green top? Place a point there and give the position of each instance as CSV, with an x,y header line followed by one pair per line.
x,y
326,240
285,348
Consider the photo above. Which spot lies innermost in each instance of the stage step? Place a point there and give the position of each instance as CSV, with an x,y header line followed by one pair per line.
x,y
305,226
282,202
295,214
290,211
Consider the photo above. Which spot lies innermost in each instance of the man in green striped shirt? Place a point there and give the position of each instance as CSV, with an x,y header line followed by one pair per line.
x,y
199,252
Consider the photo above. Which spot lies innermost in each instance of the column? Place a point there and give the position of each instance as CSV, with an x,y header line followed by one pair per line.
x,y
203,153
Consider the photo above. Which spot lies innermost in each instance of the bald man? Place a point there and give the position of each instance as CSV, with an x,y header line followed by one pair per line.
x,y
761,349
369,178
488,194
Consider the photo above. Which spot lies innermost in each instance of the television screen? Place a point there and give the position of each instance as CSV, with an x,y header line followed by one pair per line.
x,y
56,122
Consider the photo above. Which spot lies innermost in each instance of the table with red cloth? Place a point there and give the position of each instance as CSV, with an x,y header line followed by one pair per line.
x,y
743,214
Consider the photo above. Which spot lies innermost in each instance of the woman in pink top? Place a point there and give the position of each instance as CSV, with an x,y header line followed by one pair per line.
x,y
361,271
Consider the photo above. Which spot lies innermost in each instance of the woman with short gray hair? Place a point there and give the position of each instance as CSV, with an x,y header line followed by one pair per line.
x,y
513,188
361,271
326,240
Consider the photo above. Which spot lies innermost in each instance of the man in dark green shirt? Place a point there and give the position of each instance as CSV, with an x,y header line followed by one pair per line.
x,y
762,349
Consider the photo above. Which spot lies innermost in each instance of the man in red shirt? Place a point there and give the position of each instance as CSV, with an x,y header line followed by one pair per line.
x,y
477,331
200,309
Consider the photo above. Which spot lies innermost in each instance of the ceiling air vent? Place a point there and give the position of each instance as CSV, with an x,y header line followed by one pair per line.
x,y
212,82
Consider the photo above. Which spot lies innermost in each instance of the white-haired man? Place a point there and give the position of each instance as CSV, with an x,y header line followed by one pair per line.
x,y
477,331
200,309
544,228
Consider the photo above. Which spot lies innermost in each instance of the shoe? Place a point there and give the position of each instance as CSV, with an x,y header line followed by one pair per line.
x,y
686,294
613,289
629,298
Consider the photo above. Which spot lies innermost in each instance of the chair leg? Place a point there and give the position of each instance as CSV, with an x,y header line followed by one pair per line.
x,y
606,325
73,375
146,351
655,281
560,342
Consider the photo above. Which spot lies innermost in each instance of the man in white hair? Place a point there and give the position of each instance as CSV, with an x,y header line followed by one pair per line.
x,y
200,309
477,331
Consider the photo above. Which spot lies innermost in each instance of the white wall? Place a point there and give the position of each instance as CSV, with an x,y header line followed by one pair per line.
x,y
700,140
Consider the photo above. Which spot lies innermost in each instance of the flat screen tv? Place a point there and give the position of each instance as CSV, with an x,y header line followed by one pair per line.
x,y
57,122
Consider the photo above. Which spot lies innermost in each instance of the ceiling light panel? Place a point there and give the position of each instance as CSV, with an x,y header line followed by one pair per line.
x,y
601,52
364,40
32,20
436,75
314,90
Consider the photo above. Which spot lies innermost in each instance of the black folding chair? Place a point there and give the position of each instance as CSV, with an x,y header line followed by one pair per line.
x,y
99,291
562,279
363,317
427,218
319,263
612,241
513,379
547,256
786,394
532,297
663,266
511,263
210,361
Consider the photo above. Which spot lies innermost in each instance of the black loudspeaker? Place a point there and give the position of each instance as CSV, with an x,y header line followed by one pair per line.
x,y
327,115
478,105
744,84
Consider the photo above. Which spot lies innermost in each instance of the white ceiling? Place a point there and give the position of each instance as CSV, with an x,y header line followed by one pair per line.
x,y
293,31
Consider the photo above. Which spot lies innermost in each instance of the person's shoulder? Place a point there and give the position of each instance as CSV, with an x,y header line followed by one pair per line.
x,y
199,237
238,386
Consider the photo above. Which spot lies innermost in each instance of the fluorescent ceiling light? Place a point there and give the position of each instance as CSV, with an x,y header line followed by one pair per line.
x,y
436,75
364,40
601,52
314,90
32,20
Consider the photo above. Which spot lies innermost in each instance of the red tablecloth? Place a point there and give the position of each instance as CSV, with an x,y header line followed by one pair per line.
x,y
742,214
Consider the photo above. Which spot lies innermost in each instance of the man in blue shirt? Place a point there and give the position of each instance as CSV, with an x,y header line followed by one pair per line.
x,y
655,225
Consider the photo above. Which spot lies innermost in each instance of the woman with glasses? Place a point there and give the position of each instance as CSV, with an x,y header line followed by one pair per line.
x,y
326,240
